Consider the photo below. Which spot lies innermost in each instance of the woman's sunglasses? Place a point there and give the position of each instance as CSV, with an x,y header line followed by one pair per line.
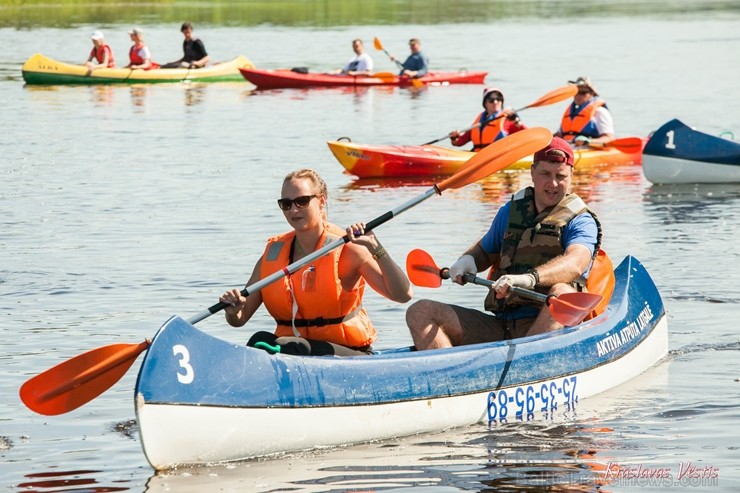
x,y
300,202
492,100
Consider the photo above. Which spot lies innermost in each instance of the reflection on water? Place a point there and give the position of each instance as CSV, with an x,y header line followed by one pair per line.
x,y
500,186
471,459
574,453
691,203
67,481
139,93
102,94
194,94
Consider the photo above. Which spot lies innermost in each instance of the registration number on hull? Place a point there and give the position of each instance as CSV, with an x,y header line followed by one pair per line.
x,y
523,402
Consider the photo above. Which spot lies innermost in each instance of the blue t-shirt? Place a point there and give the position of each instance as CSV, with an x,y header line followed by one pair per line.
x,y
582,230
417,62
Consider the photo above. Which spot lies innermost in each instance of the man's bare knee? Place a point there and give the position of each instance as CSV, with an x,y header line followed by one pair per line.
x,y
422,310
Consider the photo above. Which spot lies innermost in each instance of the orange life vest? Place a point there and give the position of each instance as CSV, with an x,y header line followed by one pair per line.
x,y
580,121
325,311
99,53
489,133
135,58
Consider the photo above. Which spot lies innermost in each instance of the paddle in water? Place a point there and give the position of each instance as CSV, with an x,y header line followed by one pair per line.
x,y
554,96
75,382
568,309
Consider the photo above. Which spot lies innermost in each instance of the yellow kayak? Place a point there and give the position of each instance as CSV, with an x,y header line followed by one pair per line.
x,y
40,69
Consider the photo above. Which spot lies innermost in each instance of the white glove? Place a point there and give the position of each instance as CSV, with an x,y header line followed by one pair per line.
x,y
502,285
464,265
582,140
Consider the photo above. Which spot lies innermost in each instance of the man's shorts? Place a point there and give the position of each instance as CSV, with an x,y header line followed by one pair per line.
x,y
481,326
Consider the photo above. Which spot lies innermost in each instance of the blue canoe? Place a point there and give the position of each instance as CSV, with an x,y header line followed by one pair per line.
x,y
677,153
201,400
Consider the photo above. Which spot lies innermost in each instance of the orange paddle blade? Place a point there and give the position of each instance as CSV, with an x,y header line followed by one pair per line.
x,y
417,83
75,382
555,96
571,308
378,45
498,156
629,145
422,270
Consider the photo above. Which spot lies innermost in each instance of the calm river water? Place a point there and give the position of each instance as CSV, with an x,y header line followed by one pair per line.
x,y
121,206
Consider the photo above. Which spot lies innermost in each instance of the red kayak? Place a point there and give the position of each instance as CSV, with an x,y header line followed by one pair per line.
x,y
283,78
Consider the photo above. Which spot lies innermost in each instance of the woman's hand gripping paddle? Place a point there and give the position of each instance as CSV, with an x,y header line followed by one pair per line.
x,y
568,309
79,380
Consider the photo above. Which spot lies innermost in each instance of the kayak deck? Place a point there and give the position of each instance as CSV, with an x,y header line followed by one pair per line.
x,y
379,161
285,79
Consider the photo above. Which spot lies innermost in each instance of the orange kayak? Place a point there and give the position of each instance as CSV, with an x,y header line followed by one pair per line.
x,y
376,161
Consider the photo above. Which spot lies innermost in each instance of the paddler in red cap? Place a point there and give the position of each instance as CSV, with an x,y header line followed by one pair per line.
x,y
544,239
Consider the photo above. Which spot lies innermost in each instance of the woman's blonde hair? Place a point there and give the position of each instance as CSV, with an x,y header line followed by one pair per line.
x,y
319,185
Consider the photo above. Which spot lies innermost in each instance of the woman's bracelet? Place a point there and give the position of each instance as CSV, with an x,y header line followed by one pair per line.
x,y
379,253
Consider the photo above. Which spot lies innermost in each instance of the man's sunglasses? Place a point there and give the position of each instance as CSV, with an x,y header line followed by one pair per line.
x,y
300,202
492,100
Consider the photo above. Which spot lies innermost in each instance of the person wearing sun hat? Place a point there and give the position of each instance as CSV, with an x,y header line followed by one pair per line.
x,y
139,55
100,52
587,120
544,239
492,124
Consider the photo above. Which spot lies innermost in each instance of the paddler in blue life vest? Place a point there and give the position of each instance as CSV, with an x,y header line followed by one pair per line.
x,y
587,119
492,124
543,239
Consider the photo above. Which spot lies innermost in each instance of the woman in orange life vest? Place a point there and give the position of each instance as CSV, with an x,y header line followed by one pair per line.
x,y
139,55
100,52
318,309
493,124
587,119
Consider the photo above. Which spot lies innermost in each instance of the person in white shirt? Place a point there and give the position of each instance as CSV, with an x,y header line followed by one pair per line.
x,y
360,64
587,119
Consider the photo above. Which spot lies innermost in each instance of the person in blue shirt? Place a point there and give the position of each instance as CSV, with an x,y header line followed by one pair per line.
x,y
544,239
417,64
